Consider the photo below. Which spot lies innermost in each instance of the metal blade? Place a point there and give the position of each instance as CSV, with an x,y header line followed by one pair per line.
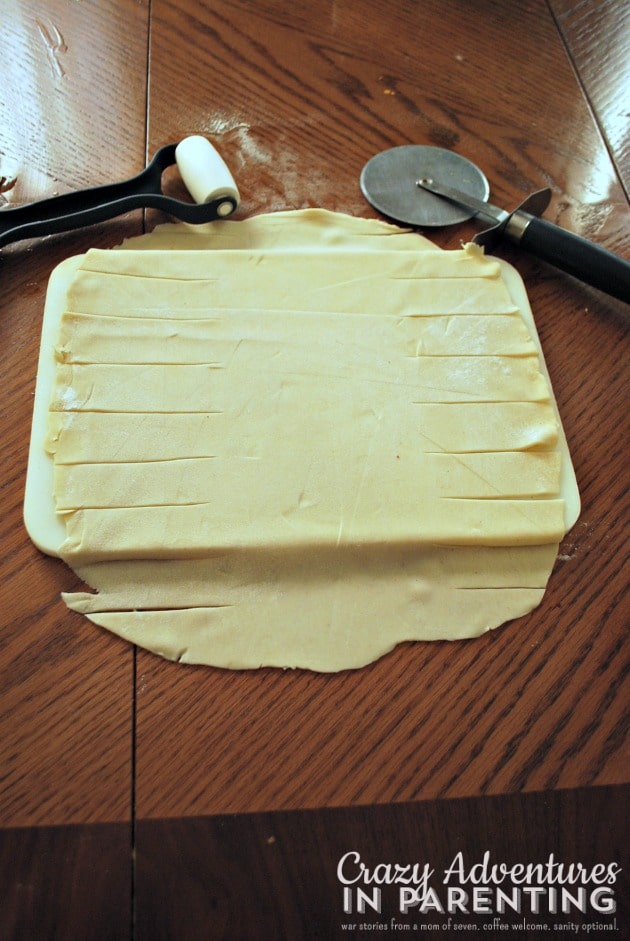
x,y
389,183
478,206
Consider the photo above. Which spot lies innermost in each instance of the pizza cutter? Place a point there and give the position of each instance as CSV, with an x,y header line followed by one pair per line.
x,y
428,186
204,172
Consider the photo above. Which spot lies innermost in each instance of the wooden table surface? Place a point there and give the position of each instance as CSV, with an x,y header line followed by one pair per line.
x,y
144,799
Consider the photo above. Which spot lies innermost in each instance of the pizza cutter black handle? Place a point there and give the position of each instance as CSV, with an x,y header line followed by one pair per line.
x,y
589,262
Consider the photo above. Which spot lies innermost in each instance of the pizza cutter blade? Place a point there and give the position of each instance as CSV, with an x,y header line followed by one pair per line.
x,y
428,186
389,183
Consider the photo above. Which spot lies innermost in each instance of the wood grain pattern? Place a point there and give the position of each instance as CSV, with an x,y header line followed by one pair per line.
x,y
301,99
66,694
195,881
67,883
73,94
597,35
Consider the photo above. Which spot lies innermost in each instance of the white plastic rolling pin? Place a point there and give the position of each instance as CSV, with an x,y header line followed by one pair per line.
x,y
206,175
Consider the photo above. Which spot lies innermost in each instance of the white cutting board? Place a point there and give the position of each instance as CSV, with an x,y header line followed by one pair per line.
x,y
43,525
46,528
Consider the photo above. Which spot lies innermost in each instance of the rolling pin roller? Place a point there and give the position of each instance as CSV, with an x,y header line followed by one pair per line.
x,y
203,171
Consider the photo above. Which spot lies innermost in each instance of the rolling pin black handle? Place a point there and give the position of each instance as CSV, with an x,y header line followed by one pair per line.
x,y
205,174
577,256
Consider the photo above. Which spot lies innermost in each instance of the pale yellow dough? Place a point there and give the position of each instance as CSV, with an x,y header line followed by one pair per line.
x,y
299,440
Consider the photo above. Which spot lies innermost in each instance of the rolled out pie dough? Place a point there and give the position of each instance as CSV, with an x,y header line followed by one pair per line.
x,y
295,441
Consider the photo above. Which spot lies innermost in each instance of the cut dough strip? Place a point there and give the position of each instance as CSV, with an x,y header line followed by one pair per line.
x,y
319,282
218,386
106,437
87,338
187,531
229,578
459,428
288,231
314,271
249,636
185,481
